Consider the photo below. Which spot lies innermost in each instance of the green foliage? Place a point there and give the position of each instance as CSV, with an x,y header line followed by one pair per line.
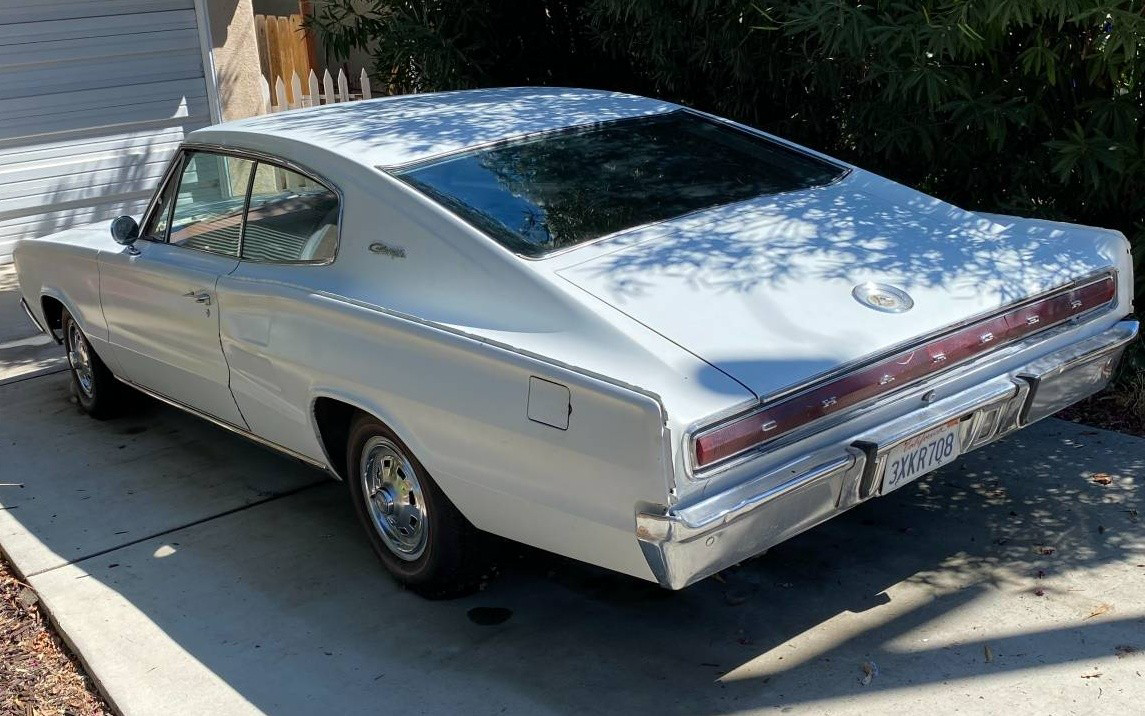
x,y
1031,107
434,45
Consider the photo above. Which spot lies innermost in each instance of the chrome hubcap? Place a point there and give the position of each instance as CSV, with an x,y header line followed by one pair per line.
x,y
79,356
394,498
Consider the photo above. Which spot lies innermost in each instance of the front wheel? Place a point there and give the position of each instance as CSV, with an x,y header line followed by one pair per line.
x,y
96,389
421,538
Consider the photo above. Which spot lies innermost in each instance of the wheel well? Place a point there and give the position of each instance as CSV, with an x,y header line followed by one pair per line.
x,y
53,314
333,418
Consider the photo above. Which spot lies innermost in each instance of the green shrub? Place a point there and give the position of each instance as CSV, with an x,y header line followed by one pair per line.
x,y
1030,107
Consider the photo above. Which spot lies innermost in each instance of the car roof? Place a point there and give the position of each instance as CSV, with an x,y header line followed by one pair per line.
x,y
392,131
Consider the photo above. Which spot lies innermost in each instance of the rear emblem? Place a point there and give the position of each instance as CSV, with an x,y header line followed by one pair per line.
x,y
882,297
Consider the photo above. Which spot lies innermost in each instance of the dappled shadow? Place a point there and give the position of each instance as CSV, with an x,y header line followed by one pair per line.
x,y
397,130
285,604
848,233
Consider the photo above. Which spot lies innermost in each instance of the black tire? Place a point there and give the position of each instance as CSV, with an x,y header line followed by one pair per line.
x,y
448,556
96,390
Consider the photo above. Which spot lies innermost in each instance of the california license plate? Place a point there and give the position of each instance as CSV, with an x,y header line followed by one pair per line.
x,y
921,454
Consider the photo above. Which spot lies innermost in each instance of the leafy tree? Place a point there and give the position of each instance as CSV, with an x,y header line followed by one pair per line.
x,y
1031,107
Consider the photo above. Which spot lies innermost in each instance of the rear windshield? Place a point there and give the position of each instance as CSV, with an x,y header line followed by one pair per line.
x,y
557,190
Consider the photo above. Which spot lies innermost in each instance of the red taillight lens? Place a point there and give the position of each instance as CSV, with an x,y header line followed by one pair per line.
x,y
901,369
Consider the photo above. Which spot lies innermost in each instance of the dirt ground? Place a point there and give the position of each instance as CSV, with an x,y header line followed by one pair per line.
x,y
38,675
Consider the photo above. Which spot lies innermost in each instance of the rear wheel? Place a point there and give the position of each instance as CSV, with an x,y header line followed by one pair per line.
x,y
95,388
421,538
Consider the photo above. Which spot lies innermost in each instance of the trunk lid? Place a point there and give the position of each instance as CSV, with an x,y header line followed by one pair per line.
x,y
763,290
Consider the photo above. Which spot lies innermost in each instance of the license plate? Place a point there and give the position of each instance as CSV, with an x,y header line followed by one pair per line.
x,y
920,454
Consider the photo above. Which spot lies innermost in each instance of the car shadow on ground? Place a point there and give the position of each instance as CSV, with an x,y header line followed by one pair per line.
x,y
1012,563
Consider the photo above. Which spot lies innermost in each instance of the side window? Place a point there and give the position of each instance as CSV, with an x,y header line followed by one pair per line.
x,y
292,218
156,228
209,203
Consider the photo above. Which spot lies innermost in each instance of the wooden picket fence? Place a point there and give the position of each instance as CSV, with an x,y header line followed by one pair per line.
x,y
292,94
284,47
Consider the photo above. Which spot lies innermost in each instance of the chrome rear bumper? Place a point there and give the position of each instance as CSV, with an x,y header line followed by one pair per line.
x,y
684,545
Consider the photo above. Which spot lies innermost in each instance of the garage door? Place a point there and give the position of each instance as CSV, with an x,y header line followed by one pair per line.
x,y
94,97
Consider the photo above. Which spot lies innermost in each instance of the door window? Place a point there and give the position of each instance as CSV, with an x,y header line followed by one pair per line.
x,y
292,218
209,204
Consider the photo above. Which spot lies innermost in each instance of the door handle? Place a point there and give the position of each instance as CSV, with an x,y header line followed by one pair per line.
x,y
200,297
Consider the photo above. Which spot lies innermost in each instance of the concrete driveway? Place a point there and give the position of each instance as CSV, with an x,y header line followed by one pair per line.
x,y
194,572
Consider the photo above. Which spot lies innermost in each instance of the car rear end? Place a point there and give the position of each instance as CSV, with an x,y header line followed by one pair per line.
x,y
751,480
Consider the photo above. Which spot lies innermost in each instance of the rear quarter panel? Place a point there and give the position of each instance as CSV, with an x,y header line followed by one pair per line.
x,y
461,405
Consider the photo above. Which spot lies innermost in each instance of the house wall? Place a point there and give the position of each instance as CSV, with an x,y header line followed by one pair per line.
x,y
94,98
235,52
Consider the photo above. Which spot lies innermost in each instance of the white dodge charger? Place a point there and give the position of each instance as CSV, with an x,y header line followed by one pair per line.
x,y
603,325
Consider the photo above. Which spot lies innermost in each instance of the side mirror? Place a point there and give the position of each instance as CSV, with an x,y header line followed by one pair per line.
x,y
125,230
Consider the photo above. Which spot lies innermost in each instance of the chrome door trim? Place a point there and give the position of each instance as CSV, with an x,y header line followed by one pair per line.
x,y
232,428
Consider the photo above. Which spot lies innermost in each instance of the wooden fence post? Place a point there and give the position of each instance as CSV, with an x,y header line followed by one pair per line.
x,y
365,80
296,90
312,86
280,93
343,87
327,87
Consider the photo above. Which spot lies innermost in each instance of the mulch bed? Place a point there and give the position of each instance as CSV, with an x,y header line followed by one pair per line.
x,y
38,675
1108,409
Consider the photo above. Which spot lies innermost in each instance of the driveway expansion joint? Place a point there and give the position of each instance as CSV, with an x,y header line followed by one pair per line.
x,y
193,523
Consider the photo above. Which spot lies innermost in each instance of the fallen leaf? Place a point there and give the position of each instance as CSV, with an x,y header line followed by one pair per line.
x,y
1039,592
870,671
1124,650
987,653
1099,610
1101,478
734,596
27,598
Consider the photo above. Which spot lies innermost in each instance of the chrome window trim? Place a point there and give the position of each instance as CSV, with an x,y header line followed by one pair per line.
x,y
174,165
266,158
700,428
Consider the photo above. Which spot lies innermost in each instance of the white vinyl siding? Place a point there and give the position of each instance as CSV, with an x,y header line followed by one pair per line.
x,y
95,96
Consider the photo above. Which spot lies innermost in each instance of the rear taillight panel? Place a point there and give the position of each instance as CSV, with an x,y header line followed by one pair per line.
x,y
752,431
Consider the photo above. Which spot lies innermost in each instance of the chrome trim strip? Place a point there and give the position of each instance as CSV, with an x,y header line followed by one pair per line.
x,y
32,318
176,161
232,428
697,430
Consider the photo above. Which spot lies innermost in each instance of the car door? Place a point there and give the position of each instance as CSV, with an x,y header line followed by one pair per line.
x,y
289,240
159,296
